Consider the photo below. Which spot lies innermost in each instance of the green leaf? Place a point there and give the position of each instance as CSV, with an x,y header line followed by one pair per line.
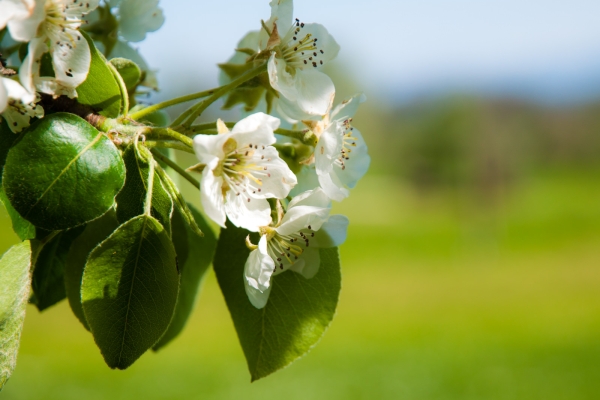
x,y
94,233
194,255
130,201
100,90
129,290
129,71
7,139
62,173
23,228
297,314
14,292
48,282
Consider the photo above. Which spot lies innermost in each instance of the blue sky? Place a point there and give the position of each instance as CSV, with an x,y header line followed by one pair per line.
x,y
545,50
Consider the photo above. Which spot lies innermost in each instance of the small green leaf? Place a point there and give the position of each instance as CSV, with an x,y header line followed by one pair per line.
x,y
100,90
94,233
14,292
297,314
130,200
194,255
62,173
129,71
23,228
129,290
48,281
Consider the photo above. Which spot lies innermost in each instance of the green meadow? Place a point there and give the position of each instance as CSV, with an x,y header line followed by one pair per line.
x,y
444,297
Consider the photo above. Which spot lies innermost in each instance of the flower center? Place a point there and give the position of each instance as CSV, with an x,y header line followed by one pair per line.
x,y
300,49
241,168
347,143
62,19
286,249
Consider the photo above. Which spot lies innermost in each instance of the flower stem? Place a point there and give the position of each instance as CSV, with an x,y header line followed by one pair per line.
x,y
149,110
176,168
209,126
167,144
306,136
199,108
173,134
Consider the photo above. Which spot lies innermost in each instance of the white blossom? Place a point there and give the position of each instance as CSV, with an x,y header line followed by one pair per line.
x,y
138,17
296,51
293,244
54,27
15,10
341,156
241,171
17,105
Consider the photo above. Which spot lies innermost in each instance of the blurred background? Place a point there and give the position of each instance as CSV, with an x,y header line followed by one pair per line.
x,y
472,265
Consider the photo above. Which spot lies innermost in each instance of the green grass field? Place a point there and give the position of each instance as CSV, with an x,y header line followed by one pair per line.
x,y
443,298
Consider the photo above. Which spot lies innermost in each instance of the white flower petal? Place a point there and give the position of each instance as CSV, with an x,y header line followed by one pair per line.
x,y
255,129
25,29
282,12
246,214
333,232
347,108
209,148
332,186
71,62
308,264
257,274
15,10
137,17
301,217
315,91
15,91
280,79
54,87
3,95
357,164
326,42
280,180
211,197
313,198
328,148
30,69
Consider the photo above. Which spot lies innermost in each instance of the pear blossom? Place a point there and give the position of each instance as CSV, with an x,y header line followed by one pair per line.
x,y
340,157
295,53
137,17
17,105
293,243
14,10
241,170
293,68
53,27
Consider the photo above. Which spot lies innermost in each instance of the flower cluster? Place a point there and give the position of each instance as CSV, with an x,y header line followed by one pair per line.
x,y
274,181
58,55
241,168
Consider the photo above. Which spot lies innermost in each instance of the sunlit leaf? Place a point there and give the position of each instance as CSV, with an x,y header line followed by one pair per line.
x,y
14,293
129,290
62,173
297,314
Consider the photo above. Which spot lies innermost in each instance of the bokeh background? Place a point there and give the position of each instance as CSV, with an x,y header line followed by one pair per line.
x,y
472,266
